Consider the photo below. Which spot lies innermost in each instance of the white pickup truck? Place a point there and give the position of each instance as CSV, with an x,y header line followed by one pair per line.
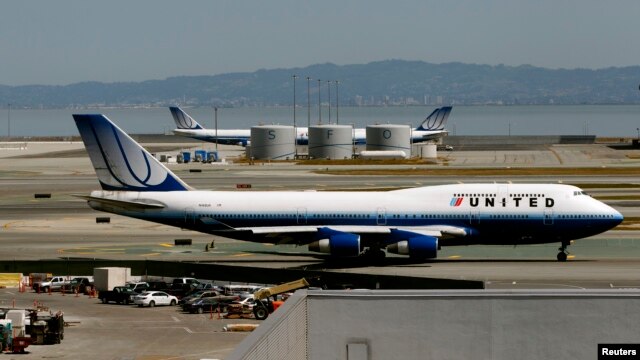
x,y
53,283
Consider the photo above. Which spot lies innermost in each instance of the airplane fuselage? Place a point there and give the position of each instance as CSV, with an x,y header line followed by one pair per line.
x,y
461,214
243,136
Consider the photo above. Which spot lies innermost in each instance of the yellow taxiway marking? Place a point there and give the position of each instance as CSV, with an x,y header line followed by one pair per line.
x,y
7,225
85,251
167,245
454,257
151,254
571,257
241,255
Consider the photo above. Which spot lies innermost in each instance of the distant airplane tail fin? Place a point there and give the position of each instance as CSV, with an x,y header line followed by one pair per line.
x,y
183,120
437,120
120,162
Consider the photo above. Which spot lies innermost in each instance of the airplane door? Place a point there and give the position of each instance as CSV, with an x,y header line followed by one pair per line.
x,y
189,216
382,216
548,217
474,217
301,216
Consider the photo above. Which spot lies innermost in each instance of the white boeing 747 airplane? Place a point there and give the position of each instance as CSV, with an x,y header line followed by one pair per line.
x,y
413,222
431,128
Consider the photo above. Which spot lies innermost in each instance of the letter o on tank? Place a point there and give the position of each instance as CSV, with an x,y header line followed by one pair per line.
x,y
386,134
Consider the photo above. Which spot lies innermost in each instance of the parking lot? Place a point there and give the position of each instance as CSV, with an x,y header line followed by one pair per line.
x,y
110,331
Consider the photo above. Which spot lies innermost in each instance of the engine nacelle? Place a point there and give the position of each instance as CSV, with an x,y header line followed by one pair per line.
x,y
416,246
336,243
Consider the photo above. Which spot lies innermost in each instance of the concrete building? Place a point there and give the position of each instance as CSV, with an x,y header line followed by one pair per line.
x,y
463,324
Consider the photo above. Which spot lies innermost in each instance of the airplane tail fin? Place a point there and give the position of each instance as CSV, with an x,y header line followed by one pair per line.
x,y
120,162
183,120
437,120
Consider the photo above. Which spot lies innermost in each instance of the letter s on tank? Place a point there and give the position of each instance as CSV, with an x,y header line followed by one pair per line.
x,y
272,134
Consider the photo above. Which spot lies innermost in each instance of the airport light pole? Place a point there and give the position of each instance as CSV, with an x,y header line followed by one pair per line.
x,y
215,120
319,102
308,104
8,122
329,97
337,103
295,129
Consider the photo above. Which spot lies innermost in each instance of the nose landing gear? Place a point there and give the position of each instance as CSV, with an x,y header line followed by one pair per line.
x,y
562,255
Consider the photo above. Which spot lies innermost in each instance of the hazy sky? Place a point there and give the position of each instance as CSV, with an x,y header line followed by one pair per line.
x,y
62,42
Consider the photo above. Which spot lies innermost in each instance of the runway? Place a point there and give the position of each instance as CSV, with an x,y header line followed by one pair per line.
x,y
64,226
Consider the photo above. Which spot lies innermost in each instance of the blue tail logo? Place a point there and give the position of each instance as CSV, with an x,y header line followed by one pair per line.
x,y
437,120
183,120
120,162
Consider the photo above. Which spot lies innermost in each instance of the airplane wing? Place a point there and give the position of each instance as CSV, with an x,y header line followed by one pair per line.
x,y
304,234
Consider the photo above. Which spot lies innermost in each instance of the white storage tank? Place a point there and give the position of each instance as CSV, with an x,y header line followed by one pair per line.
x,y
330,142
272,142
389,137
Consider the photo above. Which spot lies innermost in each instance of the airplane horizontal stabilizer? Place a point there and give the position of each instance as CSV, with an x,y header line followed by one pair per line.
x,y
129,205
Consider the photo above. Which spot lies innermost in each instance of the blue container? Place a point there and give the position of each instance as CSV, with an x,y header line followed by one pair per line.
x,y
212,156
186,156
201,155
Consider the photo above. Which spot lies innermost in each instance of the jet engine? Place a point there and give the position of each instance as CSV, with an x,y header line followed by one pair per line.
x,y
336,243
417,246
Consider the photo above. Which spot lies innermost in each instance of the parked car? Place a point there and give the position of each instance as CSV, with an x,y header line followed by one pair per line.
x,y
178,282
80,284
247,303
157,286
153,298
52,283
138,287
208,293
119,295
209,304
180,287
204,286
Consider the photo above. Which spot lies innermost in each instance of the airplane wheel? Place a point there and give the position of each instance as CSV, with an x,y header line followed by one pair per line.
x,y
562,256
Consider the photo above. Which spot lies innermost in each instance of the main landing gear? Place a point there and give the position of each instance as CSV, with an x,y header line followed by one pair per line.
x,y
562,255
375,255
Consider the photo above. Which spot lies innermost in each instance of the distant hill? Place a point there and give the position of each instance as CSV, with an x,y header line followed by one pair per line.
x,y
391,82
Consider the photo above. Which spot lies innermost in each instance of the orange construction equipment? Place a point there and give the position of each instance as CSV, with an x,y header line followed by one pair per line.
x,y
264,306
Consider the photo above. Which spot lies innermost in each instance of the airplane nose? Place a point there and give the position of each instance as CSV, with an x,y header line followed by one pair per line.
x,y
617,218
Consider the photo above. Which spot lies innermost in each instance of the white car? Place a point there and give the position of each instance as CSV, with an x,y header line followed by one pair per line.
x,y
248,302
153,298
